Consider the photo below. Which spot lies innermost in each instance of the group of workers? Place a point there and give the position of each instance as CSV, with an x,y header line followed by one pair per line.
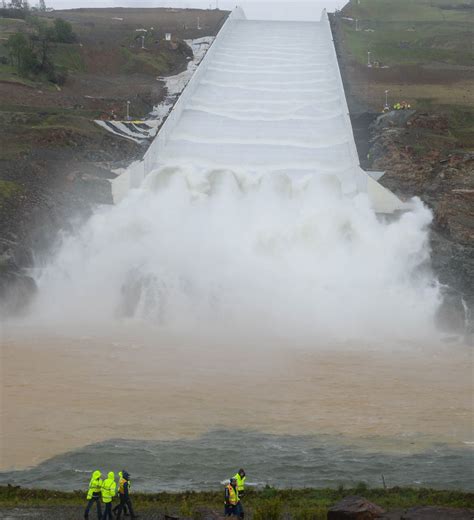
x,y
402,106
103,491
233,493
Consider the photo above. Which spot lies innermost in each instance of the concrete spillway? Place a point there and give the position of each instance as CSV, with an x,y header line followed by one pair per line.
x,y
268,97
253,217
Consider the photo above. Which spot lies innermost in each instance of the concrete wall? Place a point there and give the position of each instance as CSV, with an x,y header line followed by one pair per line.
x,y
360,176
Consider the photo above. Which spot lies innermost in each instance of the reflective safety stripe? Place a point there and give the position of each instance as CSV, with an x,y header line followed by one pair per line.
x,y
95,487
108,490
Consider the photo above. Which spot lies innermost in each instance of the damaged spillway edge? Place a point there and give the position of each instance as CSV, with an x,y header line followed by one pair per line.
x,y
381,199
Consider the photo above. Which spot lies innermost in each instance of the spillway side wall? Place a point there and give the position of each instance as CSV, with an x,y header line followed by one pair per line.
x,y
156,147
136,172
361,176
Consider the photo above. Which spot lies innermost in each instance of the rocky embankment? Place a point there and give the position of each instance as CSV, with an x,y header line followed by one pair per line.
x,y
46,191
419,160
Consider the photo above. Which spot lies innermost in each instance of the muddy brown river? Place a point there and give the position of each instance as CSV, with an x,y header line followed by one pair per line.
x,y
60,393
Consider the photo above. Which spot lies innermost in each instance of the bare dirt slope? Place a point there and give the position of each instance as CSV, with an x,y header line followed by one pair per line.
x,y
54,160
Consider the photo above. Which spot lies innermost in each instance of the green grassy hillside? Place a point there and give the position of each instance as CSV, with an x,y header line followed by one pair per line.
x,y
410,31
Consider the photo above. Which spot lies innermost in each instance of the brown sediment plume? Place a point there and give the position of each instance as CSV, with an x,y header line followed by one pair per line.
x,y
60,393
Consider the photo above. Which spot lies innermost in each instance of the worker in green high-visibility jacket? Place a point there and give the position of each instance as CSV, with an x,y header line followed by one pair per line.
x,y
240,478
93,494
109,487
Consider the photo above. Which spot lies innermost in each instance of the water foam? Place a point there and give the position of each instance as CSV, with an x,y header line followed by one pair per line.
x,y
231,251
241,227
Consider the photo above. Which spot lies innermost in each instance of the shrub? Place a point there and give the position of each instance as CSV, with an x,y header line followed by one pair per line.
x,y
269,510
63,31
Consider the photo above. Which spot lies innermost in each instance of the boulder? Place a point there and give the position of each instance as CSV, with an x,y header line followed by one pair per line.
x,y
355,508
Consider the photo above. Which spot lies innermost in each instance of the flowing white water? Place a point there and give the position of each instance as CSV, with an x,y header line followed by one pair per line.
x,y
245,226
222,251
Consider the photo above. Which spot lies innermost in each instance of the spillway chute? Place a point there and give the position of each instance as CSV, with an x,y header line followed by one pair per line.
x,y
267,96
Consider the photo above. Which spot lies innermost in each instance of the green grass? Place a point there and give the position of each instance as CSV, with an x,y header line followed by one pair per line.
x,y
146,62
408,10
8,191
409,32
266,504
9,75
68,56
9,23
33,111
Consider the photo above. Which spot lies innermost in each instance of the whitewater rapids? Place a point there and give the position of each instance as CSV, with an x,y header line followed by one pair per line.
x,y
227,253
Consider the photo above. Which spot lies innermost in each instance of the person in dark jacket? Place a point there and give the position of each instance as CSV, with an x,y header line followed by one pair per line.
x,y
124,495
124,506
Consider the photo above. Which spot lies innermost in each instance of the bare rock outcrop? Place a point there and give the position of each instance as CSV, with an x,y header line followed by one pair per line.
x,y
355,508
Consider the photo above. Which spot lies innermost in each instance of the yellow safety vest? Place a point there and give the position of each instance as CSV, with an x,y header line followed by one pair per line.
x,y
95,486
240,482
233,495
121,484
108,489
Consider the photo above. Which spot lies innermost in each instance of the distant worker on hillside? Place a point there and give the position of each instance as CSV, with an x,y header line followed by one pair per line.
x,y
93,494
240,478
108,492
124,495
117,507
232,504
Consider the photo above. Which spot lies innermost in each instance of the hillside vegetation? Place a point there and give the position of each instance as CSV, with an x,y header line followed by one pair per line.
x,y
411,31
266,504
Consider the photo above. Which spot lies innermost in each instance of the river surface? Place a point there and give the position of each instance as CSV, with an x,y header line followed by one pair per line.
x,y
189,415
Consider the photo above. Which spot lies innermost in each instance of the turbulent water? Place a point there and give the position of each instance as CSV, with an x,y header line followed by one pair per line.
x,y
218,293
280,461
205,251
255,219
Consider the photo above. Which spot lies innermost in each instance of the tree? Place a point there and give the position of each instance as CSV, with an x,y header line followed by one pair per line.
x,y
16,44
22,55
42,5
29,62
43,38
63,31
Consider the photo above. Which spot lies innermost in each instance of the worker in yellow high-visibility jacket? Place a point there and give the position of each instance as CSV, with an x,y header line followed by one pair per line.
x,y
93,494
240,478
109,487
232,505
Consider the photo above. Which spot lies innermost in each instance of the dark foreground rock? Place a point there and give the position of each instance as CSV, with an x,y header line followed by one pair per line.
x,y
355,508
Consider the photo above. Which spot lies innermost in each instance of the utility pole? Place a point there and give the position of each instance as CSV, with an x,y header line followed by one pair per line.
x,y
368,59
198,24
386,99
128,110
